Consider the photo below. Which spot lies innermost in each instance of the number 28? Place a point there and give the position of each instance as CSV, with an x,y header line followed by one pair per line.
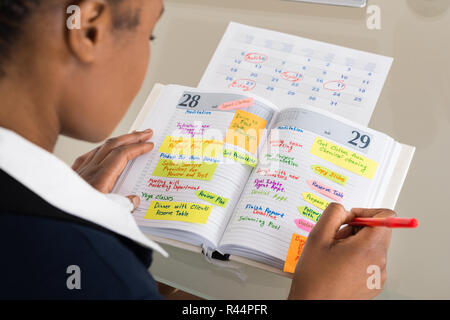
x,y
190,101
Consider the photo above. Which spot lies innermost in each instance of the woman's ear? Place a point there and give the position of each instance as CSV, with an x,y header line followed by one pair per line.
x,y
86,41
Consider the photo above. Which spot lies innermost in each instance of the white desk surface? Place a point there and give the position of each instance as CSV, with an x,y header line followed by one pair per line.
x,y
414,108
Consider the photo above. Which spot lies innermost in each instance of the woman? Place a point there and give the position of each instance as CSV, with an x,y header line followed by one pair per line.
x,y
64,235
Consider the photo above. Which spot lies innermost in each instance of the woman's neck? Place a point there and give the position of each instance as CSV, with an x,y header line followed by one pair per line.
x,y
29,113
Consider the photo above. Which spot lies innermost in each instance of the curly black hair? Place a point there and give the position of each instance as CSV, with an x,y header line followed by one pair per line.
x,y
14,14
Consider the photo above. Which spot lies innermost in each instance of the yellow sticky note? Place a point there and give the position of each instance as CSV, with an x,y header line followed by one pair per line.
x,y
315,200
330,174
178,211
212,198
240,157
186,170
344,158
245,130
294,252
196,147
309,213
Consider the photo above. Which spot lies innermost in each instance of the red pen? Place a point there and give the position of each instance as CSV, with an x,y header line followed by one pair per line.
x,y
390,222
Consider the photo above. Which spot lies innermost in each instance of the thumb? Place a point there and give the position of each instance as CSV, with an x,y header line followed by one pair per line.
x,y
135,200
329,223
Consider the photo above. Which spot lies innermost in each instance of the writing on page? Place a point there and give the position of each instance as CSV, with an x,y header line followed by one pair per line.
x,y
295,250
192,147
245,130
344,158
305,225
178,211
212,198
185,170
330,174
321,188
309,213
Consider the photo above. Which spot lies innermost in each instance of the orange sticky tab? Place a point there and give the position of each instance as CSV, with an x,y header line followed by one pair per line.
x,y
294,252
245,130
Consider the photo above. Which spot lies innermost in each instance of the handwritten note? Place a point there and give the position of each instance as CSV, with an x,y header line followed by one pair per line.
x,y
326,191
294,252
212,198
178,211
271,184
162,197
315,200
304,224
281,159
240,157
330,174
285,145
267,212
309,213
187,170
192,129
344,158
196,147
237,104
245,130
172,185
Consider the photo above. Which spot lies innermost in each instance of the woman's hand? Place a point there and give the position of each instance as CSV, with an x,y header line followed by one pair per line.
x,y
102,166
333,264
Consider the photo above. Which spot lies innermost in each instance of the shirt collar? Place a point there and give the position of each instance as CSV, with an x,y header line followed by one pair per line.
x,y
55,182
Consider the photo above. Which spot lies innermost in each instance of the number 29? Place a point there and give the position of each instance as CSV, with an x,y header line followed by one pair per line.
x,y
361,141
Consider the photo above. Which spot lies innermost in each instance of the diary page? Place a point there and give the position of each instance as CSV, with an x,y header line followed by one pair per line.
x,y
310,160
193,178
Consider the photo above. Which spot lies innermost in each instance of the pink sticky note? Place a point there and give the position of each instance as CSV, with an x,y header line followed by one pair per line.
x,y
237,104
326,191
304,224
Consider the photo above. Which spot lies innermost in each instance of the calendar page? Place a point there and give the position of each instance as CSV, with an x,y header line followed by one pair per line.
x,y
291,71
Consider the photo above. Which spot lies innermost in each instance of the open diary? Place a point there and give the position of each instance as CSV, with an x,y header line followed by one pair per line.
x,y
234,174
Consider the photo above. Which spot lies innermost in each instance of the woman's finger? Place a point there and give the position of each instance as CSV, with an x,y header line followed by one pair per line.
x,y
329,223
135,200
115,162
346,232
114,143
367,213
85,158
78,162
375,235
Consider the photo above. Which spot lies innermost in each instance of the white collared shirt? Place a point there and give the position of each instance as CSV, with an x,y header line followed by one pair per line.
x,y
56,183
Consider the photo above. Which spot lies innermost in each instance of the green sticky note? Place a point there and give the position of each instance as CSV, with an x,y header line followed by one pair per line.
x,y
309,213
240,157
212,198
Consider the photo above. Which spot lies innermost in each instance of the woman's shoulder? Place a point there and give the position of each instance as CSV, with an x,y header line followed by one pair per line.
x,y
40,254
42,246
